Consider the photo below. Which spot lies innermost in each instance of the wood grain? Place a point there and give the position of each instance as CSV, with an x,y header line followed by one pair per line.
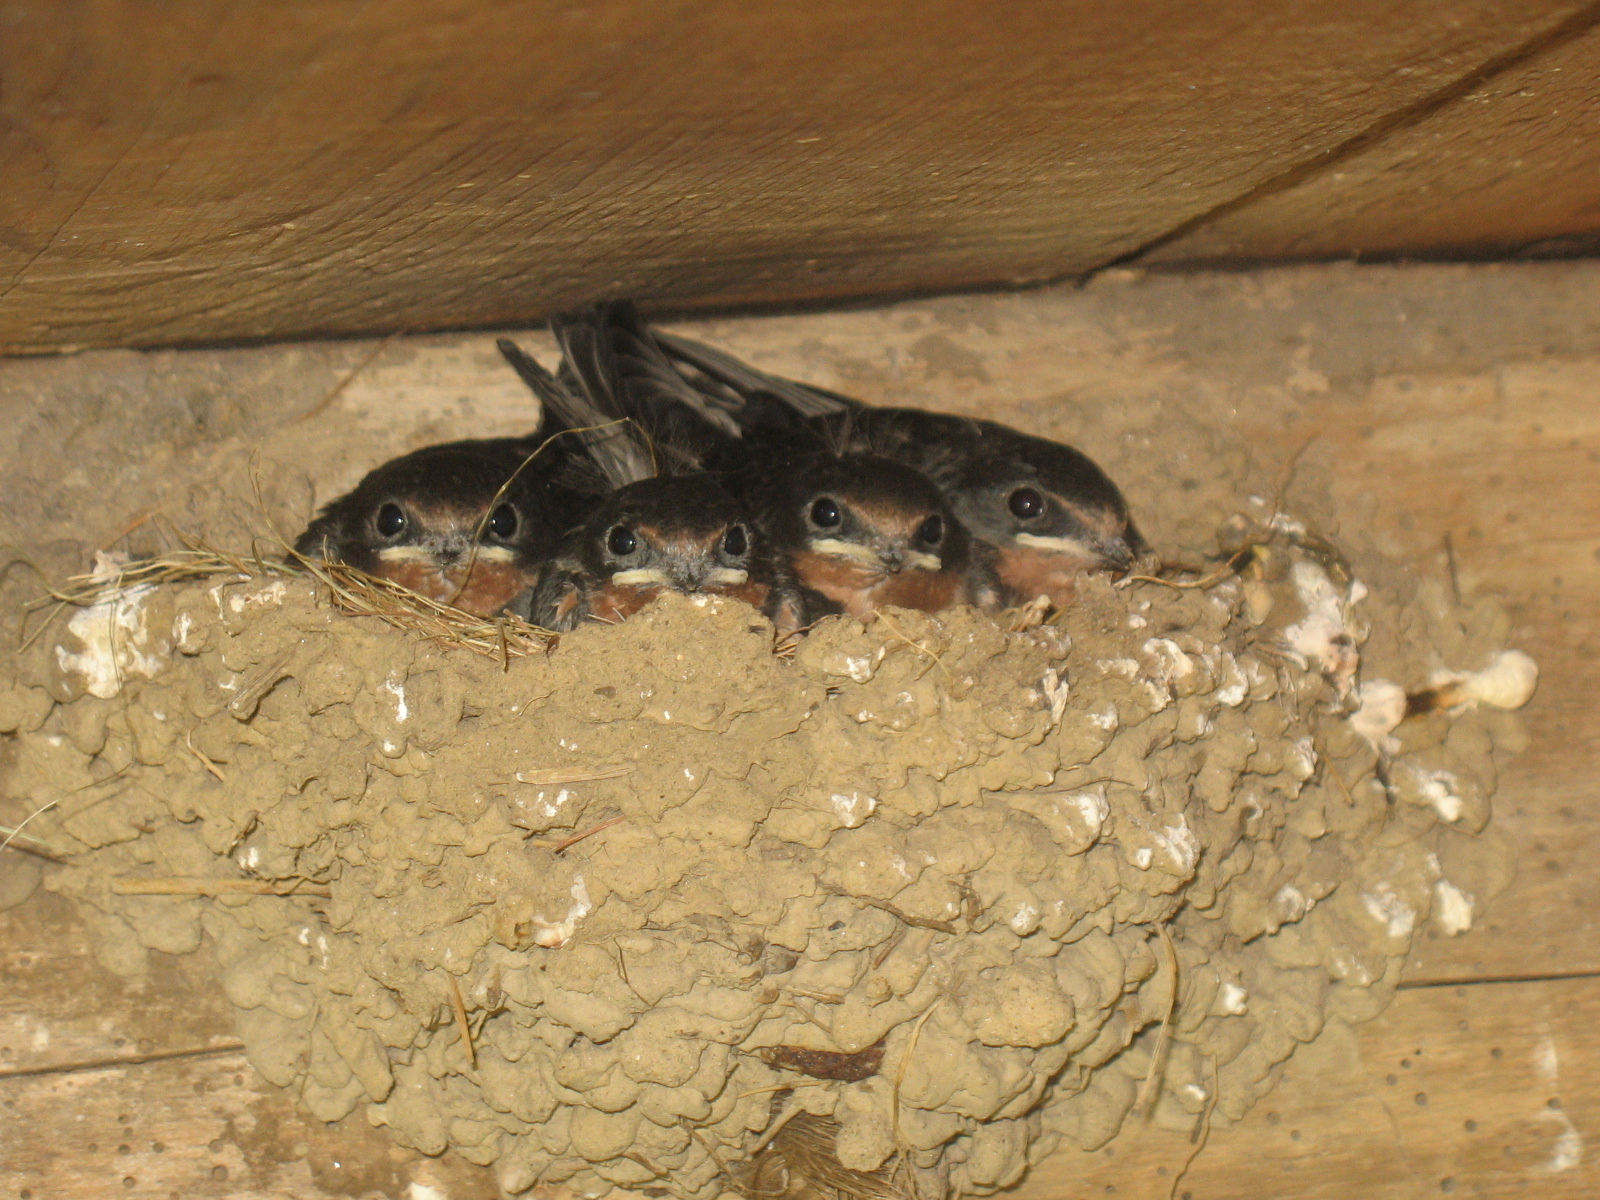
x,y
205,1127
1512,169
184,173
1487,1090
60,1008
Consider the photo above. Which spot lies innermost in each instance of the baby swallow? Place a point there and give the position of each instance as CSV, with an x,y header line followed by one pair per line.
x,y
861,530
663,524
654,535
1047,510
867,532
470,524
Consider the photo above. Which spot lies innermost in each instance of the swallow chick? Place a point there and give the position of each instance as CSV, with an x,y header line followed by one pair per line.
x,y
1046,509
442,522
651,536
663,524
866,532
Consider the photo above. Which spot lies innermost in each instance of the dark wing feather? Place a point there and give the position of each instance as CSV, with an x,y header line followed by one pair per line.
x,y
745,381
583,400
612,354
651,381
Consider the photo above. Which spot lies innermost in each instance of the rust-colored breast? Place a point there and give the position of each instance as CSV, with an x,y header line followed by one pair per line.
x,y
1030,573
752,593
841,580
483,591
927,591
614,603
860,591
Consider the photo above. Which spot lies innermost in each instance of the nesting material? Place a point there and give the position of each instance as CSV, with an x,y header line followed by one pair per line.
x,y
897,913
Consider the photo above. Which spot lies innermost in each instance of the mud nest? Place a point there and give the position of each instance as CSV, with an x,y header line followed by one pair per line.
x,y
896,913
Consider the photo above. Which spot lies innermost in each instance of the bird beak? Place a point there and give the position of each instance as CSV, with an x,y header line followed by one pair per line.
x,y
1129,552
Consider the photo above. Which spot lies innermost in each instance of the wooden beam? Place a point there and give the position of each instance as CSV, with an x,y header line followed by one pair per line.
x,y
1513,169
188,173
1484,1090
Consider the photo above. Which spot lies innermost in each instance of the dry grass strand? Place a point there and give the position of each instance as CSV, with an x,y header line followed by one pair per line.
x,y
353,592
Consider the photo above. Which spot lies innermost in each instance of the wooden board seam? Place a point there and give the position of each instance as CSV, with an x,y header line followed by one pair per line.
x,y
1575,26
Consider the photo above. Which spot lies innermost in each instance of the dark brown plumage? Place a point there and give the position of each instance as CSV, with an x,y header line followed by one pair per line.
x,y
471,524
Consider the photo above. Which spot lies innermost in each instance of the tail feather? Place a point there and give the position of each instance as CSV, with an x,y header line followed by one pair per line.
x,y
583,399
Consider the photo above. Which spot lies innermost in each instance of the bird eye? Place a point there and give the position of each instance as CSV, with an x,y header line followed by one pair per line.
x,y
391,520
1025,503
734,542
621,541
825,512
503,523
931,530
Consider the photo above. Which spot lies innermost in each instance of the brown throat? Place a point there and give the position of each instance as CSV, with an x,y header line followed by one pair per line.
x,y
1030,573
617,602
488,588
859,590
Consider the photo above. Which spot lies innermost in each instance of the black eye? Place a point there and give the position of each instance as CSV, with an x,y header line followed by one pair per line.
x,y
1025,503
825,512
931,530
391,520
734,542
503,523
622,542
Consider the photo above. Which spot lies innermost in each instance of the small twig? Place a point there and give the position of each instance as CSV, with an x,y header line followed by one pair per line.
x,y
461,1019
557,775
558,847
494,502
1151,1087
40,849
655,1171
188,740
1286,477
17,832
1450,561
1201,1135
788,1087
899,915
789,1113
1236,563
706,1145
127,529
1030,615
216,887
917,646
820,997
48,621
900,1072
881,954
1338,777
